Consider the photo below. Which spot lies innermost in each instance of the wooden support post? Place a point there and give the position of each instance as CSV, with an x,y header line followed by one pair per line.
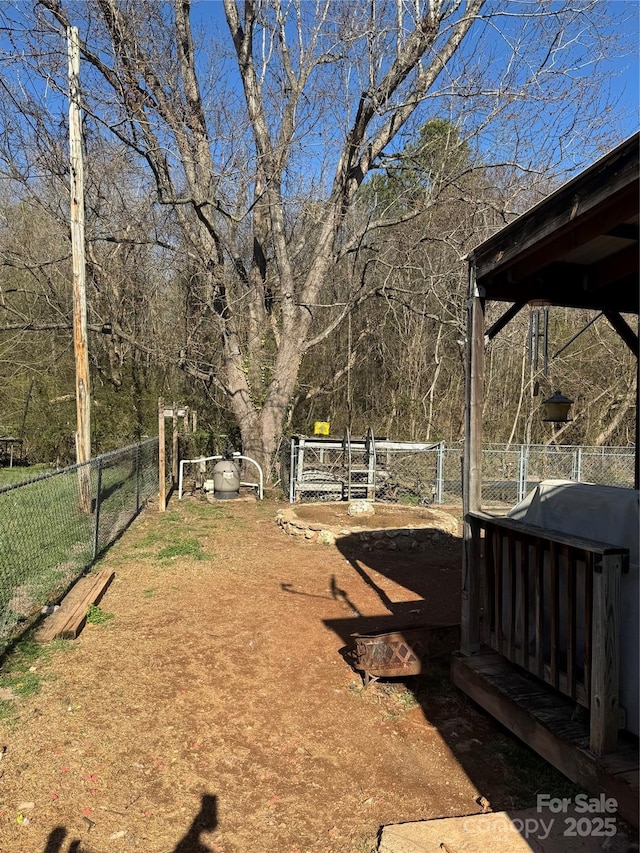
x,y
472,478
636,476
603,735
162,474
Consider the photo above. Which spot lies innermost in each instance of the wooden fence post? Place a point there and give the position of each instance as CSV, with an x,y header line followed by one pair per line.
x,y
162,477
174,448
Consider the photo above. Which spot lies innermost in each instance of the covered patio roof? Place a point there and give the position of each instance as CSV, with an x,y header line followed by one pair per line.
x,y
577,248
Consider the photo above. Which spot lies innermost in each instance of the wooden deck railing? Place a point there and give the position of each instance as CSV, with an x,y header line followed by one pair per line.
x,y
551,604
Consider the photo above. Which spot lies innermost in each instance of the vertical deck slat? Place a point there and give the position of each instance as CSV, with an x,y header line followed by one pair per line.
x,y
554,589
524,600
489,585
588,621
511,591
539,606
571,622
498,591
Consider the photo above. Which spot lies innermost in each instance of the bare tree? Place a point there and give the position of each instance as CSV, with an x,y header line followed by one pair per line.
x,y
258,143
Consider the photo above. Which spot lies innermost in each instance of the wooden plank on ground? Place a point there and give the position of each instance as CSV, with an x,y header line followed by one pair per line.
x,y
67,622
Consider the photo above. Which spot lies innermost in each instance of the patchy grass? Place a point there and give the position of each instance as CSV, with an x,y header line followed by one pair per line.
x,y
208,512
97,616
154,537
26,684
21,474
183,548
7,711
19,678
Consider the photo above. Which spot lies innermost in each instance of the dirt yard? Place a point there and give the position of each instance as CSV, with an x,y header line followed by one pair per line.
x,y
211,710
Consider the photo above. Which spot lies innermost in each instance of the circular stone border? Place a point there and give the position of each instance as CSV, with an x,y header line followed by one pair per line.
x,y
417,536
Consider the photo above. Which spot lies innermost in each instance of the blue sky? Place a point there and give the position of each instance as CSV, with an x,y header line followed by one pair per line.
x,y
623,82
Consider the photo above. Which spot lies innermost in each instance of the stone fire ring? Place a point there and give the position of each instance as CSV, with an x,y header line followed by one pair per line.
x,y
415,537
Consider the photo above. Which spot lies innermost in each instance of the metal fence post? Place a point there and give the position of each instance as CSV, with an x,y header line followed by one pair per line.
x,y
137,478
522,475
292,470
578,464
300,463
96,529
440,473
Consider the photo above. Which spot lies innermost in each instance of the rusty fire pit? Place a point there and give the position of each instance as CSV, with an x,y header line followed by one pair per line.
x,y
402,652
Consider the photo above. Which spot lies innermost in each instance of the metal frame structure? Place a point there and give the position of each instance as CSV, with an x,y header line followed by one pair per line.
x,y
348,467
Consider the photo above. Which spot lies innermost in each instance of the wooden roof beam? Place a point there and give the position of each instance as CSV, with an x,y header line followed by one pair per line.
x,y
507,317
573,286
624,330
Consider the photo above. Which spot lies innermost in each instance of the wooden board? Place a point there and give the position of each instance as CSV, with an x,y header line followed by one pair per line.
x,y
557,740
67,622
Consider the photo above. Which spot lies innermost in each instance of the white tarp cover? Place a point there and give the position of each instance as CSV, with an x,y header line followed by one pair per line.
x,y
611,515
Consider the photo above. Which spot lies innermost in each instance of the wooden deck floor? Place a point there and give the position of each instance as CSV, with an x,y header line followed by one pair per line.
x,y
549,723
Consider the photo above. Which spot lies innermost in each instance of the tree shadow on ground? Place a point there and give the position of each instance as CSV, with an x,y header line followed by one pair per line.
x,y
205,821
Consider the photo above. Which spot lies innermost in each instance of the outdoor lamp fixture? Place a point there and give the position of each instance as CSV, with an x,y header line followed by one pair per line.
x,y
556,408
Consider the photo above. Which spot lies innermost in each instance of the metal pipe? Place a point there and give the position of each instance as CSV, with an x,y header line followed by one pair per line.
x,y
292,458
259,485
440,472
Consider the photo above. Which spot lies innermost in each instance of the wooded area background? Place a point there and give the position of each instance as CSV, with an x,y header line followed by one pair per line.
x,y
279,201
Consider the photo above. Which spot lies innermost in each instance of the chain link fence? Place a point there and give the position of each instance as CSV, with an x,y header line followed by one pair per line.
x,y
415,473
409,475
52,528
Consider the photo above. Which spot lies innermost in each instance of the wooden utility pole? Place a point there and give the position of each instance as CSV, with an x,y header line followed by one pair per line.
x,y
76,185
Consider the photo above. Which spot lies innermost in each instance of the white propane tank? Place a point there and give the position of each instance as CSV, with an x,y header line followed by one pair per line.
x,y
226,480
